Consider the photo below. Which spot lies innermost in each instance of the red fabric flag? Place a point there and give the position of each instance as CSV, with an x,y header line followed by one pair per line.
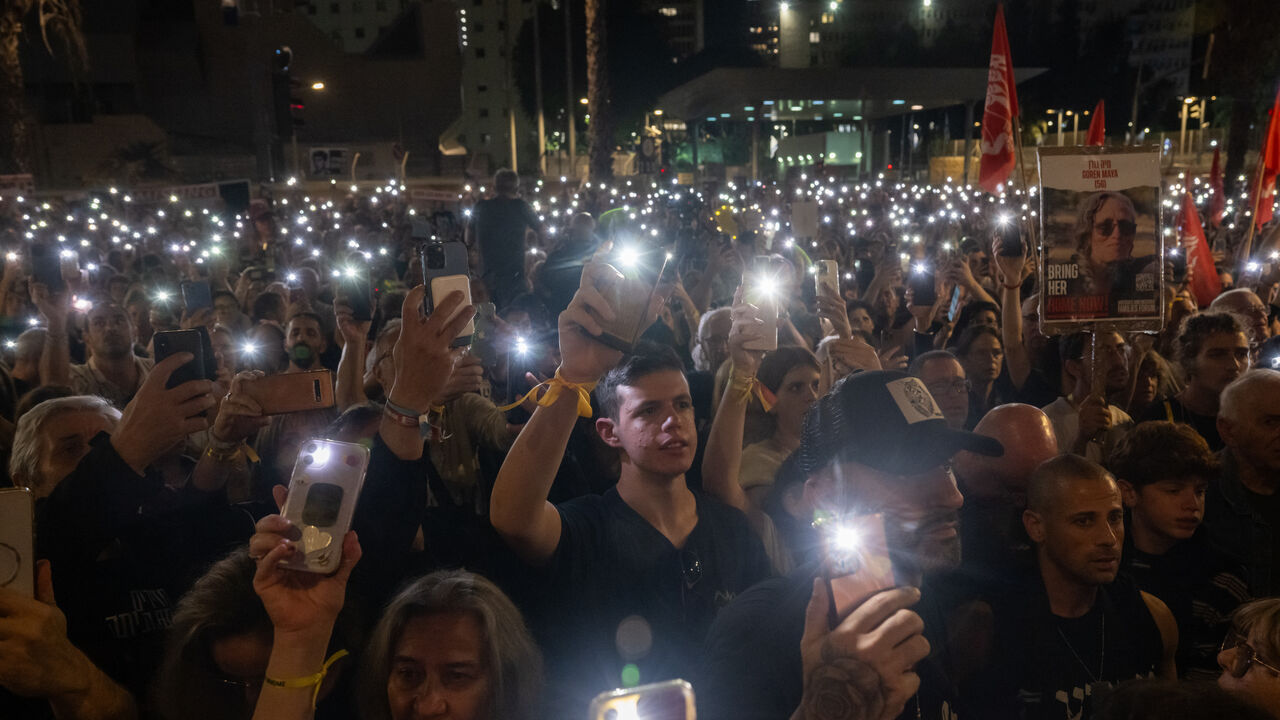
x,y
1098,126
1217,199
1269,166
1205,283
1001,108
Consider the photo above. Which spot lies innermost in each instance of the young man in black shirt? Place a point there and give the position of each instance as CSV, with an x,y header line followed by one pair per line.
x,y
877,443
1072,631
634,577
1164,469
1213,350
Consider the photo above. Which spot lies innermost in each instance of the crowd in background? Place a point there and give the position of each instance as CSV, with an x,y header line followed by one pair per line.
x,y
546,517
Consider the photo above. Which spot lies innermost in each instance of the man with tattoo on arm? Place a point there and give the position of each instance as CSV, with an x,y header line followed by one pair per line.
x,y
877,443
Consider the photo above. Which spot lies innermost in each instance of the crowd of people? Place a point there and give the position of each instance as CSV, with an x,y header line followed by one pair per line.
x,y
658,438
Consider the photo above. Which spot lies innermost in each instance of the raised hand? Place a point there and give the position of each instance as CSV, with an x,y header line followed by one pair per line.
x,y
747,326
422,355
159,417
240,415
583,357
832,308
296,601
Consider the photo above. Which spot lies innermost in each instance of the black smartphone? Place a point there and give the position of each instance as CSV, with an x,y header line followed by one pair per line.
x,y
924,291
358,293
46,266
445,269
1178,259
196,296
1009,239
170,342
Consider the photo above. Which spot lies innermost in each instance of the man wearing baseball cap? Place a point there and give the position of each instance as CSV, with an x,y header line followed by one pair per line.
x,y
877,443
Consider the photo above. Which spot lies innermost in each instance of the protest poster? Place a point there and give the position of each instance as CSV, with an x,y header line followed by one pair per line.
x,y
17,185
804,219
1101,245
328,162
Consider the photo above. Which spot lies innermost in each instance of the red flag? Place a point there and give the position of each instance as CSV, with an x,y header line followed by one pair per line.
x,y
1205,283
1217,199
997,141
1268,167
1098,126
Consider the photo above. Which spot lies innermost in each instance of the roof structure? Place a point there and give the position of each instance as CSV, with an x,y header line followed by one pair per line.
x,y
727,94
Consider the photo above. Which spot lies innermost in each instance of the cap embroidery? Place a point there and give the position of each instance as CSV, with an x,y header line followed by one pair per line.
x,y
914,401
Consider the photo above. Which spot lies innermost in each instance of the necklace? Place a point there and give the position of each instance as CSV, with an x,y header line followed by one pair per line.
x,y
1102,651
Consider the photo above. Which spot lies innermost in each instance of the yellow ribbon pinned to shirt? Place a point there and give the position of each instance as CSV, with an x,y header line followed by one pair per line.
x,y
554,387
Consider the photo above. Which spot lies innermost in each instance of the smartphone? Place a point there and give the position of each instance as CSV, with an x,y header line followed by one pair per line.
x,y
763,288
924,291
828,275
292,392
170,342
196,296
856,562
1009,239
46,266
444,270
483,340
358,293
323,490
670,700
1178,259
17,541
953,311
631,293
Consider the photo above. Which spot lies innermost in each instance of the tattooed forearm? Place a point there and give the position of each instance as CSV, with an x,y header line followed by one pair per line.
x,y
842,688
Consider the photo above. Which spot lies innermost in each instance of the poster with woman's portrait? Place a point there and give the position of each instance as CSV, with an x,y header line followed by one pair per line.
x,y
1101,244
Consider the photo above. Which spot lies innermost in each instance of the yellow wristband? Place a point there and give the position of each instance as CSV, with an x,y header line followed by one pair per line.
x,y
315,680
554,387
745,388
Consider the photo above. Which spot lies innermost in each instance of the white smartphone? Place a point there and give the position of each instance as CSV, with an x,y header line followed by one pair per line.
x,y
828,276
763,290
671,700
17,541
323,491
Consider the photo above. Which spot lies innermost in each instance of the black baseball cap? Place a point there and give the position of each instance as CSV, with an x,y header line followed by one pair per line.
x,y
886,420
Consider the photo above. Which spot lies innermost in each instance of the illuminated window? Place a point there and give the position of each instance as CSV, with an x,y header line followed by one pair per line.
x,y
814,37
828,18
667,12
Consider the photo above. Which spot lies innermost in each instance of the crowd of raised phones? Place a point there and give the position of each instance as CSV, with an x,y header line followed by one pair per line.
x,y
902,506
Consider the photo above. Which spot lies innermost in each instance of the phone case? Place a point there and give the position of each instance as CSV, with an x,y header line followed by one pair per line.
x,y
359,296
441,287
17,541
323,491
630,297
828,275
170,342
856,563
670,700
924,291
293,392
46,266
196,296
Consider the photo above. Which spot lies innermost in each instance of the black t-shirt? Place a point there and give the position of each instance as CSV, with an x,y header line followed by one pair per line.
x,y
1050,667
612,566
1171,410
752,669
500,224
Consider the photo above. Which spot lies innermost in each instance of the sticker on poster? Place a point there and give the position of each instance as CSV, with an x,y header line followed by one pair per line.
x,y
1101,241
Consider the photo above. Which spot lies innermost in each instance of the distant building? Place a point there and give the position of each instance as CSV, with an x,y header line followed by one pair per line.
x,y
681,24
353,25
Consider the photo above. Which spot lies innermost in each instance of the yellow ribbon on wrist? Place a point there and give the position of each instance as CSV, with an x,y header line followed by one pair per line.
x,y
315,680
749,386
554,387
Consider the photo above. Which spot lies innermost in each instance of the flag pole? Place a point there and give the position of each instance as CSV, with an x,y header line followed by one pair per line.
x,y
1022,173
1247,248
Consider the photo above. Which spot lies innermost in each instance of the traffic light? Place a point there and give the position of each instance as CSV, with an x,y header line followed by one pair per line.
x,y
287,106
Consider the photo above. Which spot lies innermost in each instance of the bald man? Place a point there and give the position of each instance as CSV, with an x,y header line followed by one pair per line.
x,y
1074,630
995,490
1245,303
1242,509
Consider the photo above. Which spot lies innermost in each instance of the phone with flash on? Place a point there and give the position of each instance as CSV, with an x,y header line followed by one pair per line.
x,y
762,290
856,562
924,291
17,541
670,700
323,491
444,270
631,290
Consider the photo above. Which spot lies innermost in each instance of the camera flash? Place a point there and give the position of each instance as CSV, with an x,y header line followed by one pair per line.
x,y
846,539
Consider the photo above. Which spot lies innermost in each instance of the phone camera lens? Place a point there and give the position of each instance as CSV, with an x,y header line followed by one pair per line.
x,y
312,447
307,459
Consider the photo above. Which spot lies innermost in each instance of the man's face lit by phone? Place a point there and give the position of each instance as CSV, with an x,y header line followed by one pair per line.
x,y
921,519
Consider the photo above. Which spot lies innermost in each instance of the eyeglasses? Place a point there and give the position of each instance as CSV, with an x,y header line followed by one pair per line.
x,y
952,387
1244,656
1106,227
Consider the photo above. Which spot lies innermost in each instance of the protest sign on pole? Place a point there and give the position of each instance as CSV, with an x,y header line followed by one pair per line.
x,y
1102,248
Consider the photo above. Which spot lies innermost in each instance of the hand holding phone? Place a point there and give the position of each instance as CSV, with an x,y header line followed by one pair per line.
x,y
201,366
17,541
671,700
323,491
445,270
291,392
856,562
763,290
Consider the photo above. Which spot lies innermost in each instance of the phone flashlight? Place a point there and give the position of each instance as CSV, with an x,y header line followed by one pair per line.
x,y
1004,219
319,456
1173,252
162,296
248,348
628,257
11,344
522,346
291,277
921,267
82,304
767,285
1253,267
11,256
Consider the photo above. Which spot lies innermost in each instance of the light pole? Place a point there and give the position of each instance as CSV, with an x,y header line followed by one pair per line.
x,y
1182,136
568,88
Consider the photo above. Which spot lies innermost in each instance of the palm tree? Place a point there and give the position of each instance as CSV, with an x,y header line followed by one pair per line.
x,y
57,18
600,129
